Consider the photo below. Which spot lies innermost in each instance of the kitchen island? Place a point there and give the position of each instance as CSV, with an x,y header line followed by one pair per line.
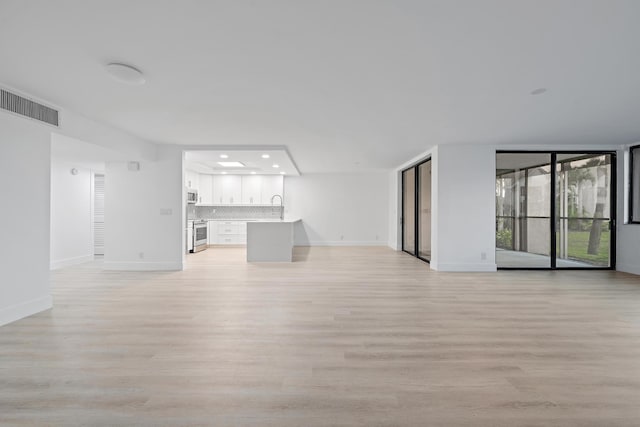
x,y
270,240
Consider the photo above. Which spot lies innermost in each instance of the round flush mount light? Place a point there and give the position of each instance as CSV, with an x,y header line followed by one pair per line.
x,y
224,156
538,91
276,166
125,73
265,156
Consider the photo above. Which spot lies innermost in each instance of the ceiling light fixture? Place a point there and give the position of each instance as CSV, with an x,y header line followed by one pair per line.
x,y
224,173
265,156
253,172
126,74
276,166
283,173
224,156
538,91
231,164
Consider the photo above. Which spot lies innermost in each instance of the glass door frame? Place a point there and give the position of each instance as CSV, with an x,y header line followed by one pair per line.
x,y
416,208
552,223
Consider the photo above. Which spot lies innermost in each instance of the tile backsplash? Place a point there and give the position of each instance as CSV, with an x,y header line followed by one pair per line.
x,y
234,212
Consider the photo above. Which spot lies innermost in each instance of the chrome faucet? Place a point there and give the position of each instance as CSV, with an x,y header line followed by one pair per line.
x,y
281,206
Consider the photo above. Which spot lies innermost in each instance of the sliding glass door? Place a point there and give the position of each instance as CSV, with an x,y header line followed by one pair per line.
x,y
409,211
583,210
424,211
555,210
523,210
416,210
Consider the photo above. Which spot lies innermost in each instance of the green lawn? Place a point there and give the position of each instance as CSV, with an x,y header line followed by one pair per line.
x,y
579,243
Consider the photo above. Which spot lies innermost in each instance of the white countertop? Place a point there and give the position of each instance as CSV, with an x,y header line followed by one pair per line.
x,y
286,220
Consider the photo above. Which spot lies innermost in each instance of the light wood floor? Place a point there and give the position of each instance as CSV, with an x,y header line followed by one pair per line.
x,y
345,336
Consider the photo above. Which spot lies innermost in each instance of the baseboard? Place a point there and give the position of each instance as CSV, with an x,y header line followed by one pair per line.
x,y
143,266
628,268
342,243
24,309
55,265
480,267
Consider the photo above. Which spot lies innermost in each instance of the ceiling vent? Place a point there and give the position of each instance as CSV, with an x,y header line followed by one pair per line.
x,y
28,108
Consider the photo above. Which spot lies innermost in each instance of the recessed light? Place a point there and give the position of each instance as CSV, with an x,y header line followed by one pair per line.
x,y
283,173
224,156
224,173
538,91
231,164
253,172
276,166
265,156
125,73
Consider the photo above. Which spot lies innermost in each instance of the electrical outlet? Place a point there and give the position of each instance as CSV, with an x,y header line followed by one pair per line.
x,y
483,256
342,237
141,255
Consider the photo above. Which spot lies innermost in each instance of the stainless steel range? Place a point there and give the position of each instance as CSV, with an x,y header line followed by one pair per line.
x,y
199,236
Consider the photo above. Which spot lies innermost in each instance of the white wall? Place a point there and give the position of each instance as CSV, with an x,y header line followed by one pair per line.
x,y
628,237
464,208
144,214
71,214
24,218
339,209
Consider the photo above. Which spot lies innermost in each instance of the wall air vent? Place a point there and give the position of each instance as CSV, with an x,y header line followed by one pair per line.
x,y
28,108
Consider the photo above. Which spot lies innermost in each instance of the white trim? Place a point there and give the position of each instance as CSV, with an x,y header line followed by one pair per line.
x,y
464,267
143,266
628,268
19,311
62,263
343,243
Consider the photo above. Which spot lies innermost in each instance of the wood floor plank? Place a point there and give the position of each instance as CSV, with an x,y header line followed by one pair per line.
x,y
343,336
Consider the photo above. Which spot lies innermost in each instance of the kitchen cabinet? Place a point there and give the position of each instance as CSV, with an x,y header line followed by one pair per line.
x,y
228,232
271,185
235,189
251,189
191,179
205,189
212,231
227,189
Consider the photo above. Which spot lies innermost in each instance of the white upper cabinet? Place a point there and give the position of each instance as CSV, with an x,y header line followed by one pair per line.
x,y
227,189
191,179
235,189
272,185
251,189
205,189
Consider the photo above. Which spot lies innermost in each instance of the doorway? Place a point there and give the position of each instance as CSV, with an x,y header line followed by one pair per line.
x,y
555,210
416,210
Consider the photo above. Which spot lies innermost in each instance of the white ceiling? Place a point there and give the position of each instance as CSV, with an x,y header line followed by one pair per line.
x,y
343,84
207,162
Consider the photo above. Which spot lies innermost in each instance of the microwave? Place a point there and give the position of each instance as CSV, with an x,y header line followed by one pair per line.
x,y
192,196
